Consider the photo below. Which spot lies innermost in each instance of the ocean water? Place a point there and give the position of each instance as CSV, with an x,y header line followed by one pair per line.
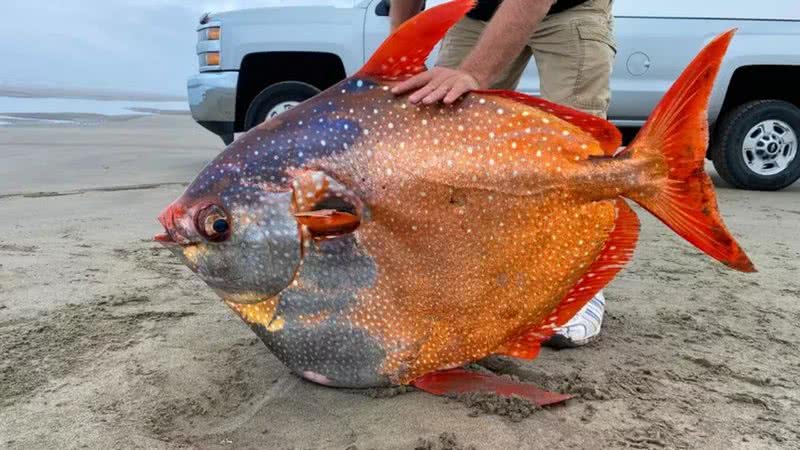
x,y
10,120
18,105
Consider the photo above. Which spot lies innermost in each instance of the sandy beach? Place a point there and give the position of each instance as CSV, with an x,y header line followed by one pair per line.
x,y
108,342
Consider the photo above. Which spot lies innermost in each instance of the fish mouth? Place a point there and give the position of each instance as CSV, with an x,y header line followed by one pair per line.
x,y
171,238
168,219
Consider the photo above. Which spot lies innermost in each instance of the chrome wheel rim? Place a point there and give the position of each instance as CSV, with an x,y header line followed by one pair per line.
x,y
769,147
281,107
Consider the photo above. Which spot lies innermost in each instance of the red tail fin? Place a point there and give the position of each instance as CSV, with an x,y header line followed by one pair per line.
x,y
675,138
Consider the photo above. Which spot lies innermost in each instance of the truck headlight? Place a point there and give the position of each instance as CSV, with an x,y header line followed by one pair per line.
x,y
209,34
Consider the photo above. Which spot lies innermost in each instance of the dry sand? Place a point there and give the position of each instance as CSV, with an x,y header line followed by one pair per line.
x,y
107,342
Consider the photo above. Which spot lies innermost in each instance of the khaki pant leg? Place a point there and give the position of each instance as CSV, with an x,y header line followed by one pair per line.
x,y
574,52
461,39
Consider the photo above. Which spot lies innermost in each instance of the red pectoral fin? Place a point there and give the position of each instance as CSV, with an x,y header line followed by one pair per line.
x,y
323,205
460,381
328,222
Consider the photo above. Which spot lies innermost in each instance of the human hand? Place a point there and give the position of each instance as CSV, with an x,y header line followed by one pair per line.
x,y
437,84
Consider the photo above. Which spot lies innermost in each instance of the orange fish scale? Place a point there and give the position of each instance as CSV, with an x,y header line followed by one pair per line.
x,y
486,240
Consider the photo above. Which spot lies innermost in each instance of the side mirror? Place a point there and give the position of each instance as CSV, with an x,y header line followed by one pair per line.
x,y
382,10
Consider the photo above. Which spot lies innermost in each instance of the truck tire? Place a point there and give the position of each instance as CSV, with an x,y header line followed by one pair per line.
x,y
756,145
276,99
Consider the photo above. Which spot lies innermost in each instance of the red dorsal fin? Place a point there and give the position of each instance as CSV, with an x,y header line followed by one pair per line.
x,y
403,54
616,252
603,131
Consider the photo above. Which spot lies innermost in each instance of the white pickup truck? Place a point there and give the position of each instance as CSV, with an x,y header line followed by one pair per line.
x,y
256,63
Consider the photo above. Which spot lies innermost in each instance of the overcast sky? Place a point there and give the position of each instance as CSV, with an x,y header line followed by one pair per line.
x,y
149,45
131,45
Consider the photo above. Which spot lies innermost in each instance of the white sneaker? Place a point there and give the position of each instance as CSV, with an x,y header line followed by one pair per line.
x,y
583,327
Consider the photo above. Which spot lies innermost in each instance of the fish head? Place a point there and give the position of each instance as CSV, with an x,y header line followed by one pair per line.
x,y
242,223
235,232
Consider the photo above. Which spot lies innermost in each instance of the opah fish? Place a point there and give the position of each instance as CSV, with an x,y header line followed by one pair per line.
x,y
370,242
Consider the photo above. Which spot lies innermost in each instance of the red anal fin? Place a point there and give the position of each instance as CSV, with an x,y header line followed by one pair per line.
x,y
603,131
403,54
616,252
460,381
525,346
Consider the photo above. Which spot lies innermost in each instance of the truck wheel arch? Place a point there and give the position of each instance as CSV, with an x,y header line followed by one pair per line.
x,y
762,82
263,69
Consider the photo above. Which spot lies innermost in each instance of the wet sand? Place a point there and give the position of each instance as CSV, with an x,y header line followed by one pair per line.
x,y
107,342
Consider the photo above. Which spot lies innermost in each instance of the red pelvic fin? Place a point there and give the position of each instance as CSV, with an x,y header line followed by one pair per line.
x,y
460,381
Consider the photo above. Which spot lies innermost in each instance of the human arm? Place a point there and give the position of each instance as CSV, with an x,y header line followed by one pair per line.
x,y
402,10
501,42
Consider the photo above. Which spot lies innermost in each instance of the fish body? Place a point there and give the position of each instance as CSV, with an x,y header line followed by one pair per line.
x,y
371,242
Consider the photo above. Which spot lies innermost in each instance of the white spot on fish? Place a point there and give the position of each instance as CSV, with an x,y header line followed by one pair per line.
x,y
316,377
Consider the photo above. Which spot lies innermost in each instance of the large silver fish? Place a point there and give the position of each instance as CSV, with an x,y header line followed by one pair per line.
x,y
369,242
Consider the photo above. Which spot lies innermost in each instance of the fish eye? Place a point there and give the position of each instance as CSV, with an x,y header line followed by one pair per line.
x,y
220,225
213,223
